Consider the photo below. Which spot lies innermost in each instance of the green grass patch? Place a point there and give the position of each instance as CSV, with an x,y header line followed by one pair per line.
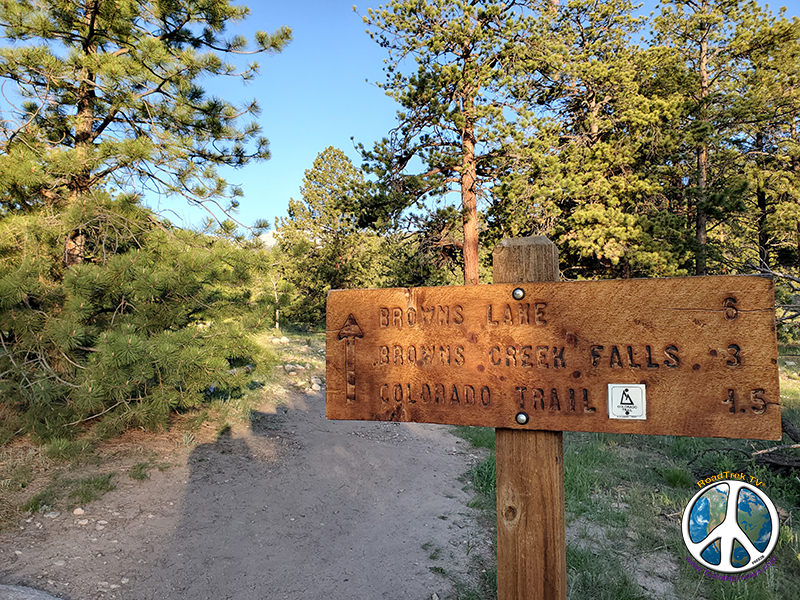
x,y
678,477
479,437
590,575
64,493
140,471
484,476
41,502
64,450
91,488
485,589
588,461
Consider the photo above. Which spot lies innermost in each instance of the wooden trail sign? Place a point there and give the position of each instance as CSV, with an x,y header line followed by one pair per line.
x,y
693,356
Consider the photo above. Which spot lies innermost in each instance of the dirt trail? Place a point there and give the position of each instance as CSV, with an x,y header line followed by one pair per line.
x,y
293,507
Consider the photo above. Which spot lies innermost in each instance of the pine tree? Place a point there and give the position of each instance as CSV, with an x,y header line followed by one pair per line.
x,y
154,319
589,188
108,93
458,117
704,50
110,315
768,111
324,247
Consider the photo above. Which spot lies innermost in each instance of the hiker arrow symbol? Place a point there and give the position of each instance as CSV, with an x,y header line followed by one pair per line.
x,y
349,332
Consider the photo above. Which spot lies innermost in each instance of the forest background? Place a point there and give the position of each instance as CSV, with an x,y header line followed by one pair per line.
x,y
643,146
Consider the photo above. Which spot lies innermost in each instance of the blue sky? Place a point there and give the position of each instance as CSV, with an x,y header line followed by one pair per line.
x,y
313,95
319,92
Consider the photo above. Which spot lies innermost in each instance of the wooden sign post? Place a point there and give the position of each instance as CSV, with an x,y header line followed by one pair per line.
x,y
533,357
531,524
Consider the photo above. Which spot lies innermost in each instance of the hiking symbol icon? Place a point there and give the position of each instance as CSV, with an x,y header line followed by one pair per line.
x,y
627,401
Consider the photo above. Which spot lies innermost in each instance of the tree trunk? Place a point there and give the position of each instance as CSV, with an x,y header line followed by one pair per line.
x,y
80,182
701,216
74,248
277,303
761,203
796,170
469,198
763,236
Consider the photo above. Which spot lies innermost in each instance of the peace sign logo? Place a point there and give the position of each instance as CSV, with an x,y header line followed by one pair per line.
x,y
730,527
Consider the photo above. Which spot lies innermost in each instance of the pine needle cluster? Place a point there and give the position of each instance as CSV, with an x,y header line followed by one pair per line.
x,y
110,316
155,319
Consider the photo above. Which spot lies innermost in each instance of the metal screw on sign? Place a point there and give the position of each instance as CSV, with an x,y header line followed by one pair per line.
x,y
522,418
518,294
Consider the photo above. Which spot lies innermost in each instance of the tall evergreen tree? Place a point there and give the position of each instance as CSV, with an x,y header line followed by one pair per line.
x,y
767,111
704,47
592,183
324,247
458,118
108,93
109,314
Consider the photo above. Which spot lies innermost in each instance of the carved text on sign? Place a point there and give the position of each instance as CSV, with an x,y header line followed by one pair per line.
x,y
704,348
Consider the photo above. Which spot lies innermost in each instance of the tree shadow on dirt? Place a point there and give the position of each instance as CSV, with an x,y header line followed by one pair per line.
x,y
218,547
300,508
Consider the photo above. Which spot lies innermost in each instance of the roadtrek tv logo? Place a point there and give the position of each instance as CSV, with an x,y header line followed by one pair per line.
x,y
730,527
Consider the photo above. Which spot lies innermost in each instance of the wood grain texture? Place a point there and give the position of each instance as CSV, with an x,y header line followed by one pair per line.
x,y
531,525
531,545
532,259
704,348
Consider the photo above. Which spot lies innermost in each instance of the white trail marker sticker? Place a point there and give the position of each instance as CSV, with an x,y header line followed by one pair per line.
x,y
626,401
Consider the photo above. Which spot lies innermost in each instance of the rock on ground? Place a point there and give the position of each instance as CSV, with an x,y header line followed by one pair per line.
x,y
14,592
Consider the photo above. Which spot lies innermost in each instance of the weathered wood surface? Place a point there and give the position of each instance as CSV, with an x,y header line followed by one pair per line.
x,y
531,524
531,535
704,347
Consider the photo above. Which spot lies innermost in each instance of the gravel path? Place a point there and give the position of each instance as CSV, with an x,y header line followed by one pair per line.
x,y
294,507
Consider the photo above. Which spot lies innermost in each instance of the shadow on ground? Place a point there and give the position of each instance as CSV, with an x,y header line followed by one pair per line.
x,y
304,508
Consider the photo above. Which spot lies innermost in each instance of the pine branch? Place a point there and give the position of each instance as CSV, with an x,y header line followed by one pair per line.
x,y
84,420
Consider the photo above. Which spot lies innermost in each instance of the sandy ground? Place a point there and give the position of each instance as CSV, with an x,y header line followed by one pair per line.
x,y
293,507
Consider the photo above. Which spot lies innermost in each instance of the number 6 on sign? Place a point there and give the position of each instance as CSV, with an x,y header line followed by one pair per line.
x,y
730,527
